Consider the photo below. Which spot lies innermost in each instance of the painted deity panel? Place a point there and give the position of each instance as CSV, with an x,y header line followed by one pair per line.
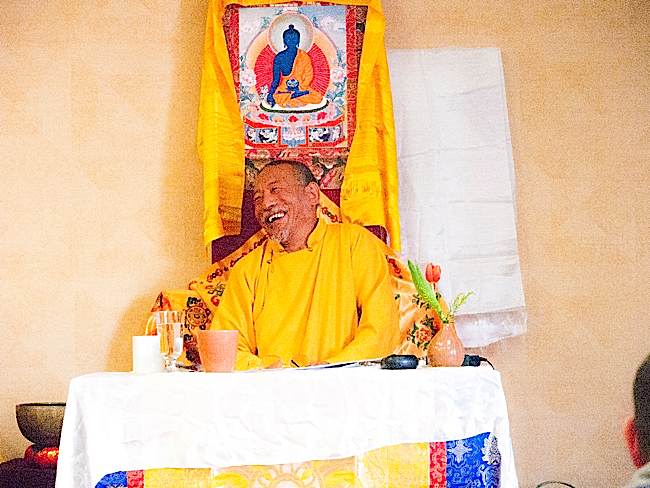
x,y
295,69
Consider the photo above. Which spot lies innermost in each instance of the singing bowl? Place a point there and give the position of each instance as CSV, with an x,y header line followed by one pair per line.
x,y
41,423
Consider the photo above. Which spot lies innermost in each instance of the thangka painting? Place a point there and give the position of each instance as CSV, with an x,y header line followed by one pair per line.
x,y
295,69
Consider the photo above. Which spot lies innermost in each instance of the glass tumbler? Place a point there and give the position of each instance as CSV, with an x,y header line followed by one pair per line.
x,y
169,324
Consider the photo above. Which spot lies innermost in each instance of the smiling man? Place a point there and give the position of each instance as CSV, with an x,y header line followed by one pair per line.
x,y
313,292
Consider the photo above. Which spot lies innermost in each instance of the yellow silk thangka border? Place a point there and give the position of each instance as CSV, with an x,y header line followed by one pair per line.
x,y
369,190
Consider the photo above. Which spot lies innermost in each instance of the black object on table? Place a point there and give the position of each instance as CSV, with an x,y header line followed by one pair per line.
x,y
18,473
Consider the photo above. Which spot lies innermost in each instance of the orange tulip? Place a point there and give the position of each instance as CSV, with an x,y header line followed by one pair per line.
x,y
432,273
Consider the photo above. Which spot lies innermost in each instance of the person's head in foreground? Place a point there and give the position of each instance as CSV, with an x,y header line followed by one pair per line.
x,y
286,198
637,428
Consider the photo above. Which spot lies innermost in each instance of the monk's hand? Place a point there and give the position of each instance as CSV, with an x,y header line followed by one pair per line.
x,y
318,363
272,362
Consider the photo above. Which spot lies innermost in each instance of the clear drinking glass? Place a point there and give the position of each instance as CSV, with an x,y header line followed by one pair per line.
x,y
169,324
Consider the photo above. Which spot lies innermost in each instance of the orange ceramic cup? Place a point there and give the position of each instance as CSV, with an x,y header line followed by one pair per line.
x,y
217,349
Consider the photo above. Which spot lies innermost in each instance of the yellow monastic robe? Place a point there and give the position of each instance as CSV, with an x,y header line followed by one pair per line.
x,y
332,301
303,73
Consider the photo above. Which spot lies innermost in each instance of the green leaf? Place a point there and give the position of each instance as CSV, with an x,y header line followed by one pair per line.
x,y
460,299
424,290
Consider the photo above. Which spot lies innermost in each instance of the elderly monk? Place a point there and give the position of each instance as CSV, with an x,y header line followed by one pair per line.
x,y
314,292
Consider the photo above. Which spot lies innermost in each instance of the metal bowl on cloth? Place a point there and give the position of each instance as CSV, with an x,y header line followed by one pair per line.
x,y
40,423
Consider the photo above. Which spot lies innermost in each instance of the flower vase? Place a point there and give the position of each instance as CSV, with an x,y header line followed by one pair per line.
x,y
446,348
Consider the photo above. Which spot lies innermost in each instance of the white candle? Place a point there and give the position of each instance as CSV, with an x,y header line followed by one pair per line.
x,y
146,354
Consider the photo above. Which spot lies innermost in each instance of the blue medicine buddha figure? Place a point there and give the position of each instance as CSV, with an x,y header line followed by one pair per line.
x,y
293,74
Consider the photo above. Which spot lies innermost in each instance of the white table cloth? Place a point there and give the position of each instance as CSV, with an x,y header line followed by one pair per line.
x,y
125,421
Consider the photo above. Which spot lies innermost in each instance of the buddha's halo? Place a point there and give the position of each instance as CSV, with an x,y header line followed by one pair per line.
x,y
300,22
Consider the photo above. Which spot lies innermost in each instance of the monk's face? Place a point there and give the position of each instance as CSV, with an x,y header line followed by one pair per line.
x,y
284,206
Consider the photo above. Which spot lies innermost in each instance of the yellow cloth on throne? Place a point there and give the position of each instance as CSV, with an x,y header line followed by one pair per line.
x,y
303,73
332,301
369,191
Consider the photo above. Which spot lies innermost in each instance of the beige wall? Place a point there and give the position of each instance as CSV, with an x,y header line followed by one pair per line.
x,y
100,199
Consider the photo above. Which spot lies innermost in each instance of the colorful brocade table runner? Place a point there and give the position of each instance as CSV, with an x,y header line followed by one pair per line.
x,y
357,426
473,462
